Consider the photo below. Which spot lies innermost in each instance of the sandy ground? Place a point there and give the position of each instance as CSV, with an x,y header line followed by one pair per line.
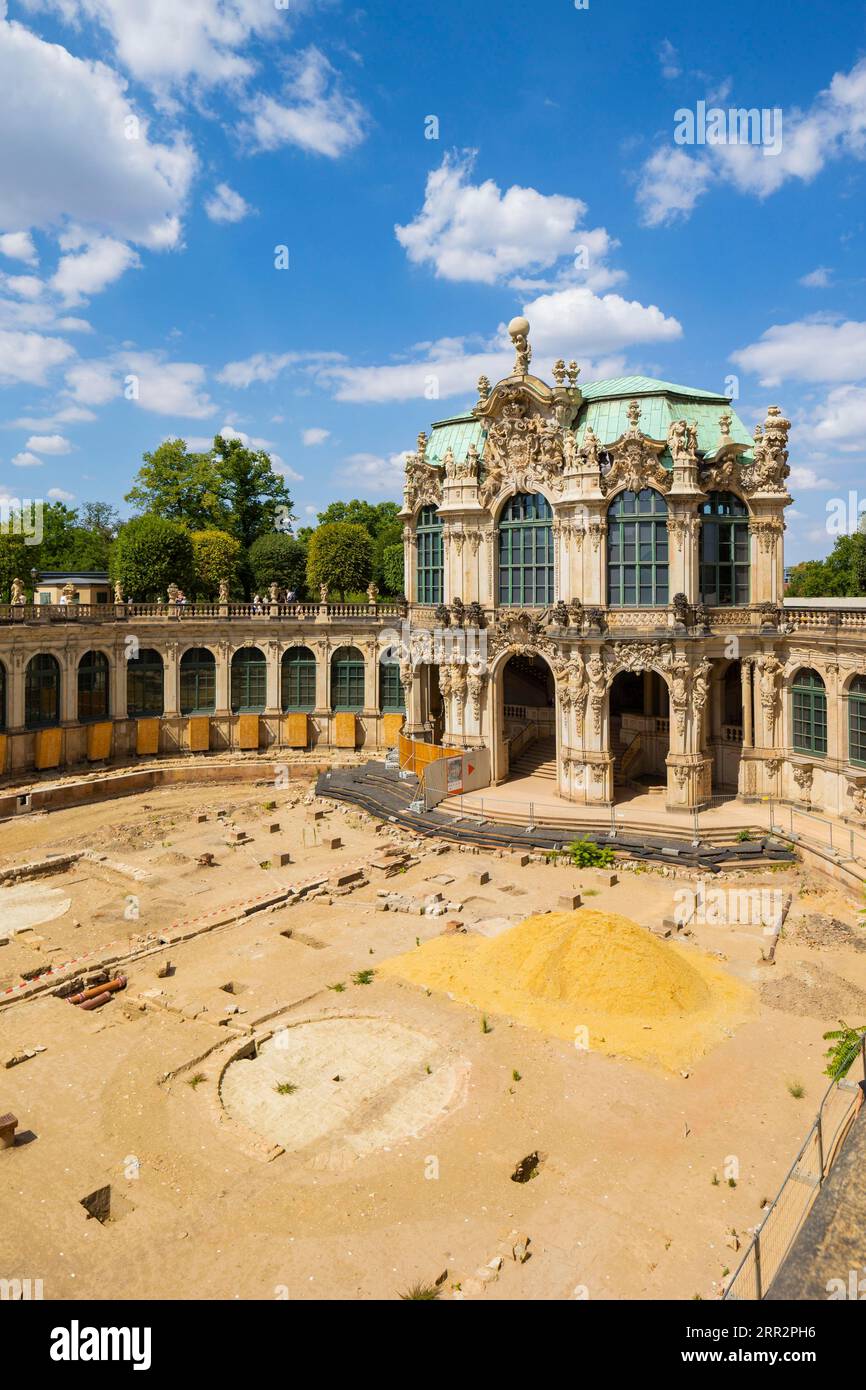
x,y
223,1187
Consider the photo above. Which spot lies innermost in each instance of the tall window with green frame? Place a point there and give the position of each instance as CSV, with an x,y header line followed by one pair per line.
x,y
249,681
857,721
197,681
526,551
42,692
637,550
144,684
808,712
392,698
724,551
428,546
298,679
347,679
92,687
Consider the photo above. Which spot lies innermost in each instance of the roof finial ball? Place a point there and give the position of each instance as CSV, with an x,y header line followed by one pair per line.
x,y
518,332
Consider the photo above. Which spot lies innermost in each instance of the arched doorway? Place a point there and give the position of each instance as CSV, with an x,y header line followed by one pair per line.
x,y
528,705
639,730
723,724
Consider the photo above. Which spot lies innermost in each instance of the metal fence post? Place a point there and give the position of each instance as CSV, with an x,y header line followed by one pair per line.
x,y
820,1128
758,1289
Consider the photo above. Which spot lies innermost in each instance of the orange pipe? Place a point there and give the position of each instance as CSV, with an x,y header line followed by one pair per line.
x,y
110,987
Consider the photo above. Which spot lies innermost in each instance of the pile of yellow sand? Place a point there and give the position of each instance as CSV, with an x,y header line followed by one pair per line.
x,y
592,977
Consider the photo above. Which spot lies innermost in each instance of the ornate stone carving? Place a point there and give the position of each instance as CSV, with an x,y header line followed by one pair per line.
x,y
518,332
683,443
802,773
770,470
768,529
524,451
858,796
635,460
423,481
476,681
770,669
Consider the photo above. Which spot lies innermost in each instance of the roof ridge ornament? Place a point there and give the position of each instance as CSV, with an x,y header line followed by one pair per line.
x,y
518,332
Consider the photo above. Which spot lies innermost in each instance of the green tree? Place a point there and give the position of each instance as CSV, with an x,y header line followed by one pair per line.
x,y
215,556
181,486
255,498
275,558
152,552
841,575
392,569
380,519
341,556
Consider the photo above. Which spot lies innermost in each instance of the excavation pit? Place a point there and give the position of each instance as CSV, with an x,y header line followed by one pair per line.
x,y
395,1083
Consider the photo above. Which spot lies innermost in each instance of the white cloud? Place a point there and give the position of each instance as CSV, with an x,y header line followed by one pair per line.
x,y
377,473
477,232
833,127
102,261
147,380
808,350
314,113
65,151
26,460
57,494
225,205
67,415
841,419
806,479
817,279
570,322
315,436
267,366
670,184
27,286
18,246
670,60
48,444
29,357
164,42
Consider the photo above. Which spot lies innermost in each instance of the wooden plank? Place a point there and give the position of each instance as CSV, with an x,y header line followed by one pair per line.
x,y
198,727
297,730
345,730
147,736
48,747
248,732
99,742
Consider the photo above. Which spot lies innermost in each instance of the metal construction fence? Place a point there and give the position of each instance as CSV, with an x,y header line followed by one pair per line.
x,y
786,1213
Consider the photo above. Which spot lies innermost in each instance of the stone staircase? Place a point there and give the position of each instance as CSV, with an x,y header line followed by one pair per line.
x,y
538,759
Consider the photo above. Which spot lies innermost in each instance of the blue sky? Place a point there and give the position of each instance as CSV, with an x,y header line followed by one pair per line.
x,y
155,156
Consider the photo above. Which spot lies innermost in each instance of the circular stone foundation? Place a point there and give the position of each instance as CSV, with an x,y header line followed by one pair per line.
x,y
360,1084
28,905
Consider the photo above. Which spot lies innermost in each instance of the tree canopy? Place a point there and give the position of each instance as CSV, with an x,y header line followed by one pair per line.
x,y
341,556
841,575
152,552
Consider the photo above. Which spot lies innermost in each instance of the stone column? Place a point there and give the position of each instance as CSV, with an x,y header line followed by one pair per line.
x,y
272,696
746,685
117,701
223,679
323,678
170,681
16,669
69,685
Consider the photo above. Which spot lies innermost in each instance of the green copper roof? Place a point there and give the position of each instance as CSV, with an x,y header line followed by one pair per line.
x,y
605,408
645,386
456,434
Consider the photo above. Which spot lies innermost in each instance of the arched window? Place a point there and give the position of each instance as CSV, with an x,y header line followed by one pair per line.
x,y
197,681
347,679
637,550
42,692
808,712
144,684
298,679
92,687
2,696
428,543
724,551
857,720
392,697
249,681
526,551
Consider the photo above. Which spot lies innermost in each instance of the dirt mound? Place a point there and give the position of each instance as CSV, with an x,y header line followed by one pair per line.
x,y
813,992
592,977
819,931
